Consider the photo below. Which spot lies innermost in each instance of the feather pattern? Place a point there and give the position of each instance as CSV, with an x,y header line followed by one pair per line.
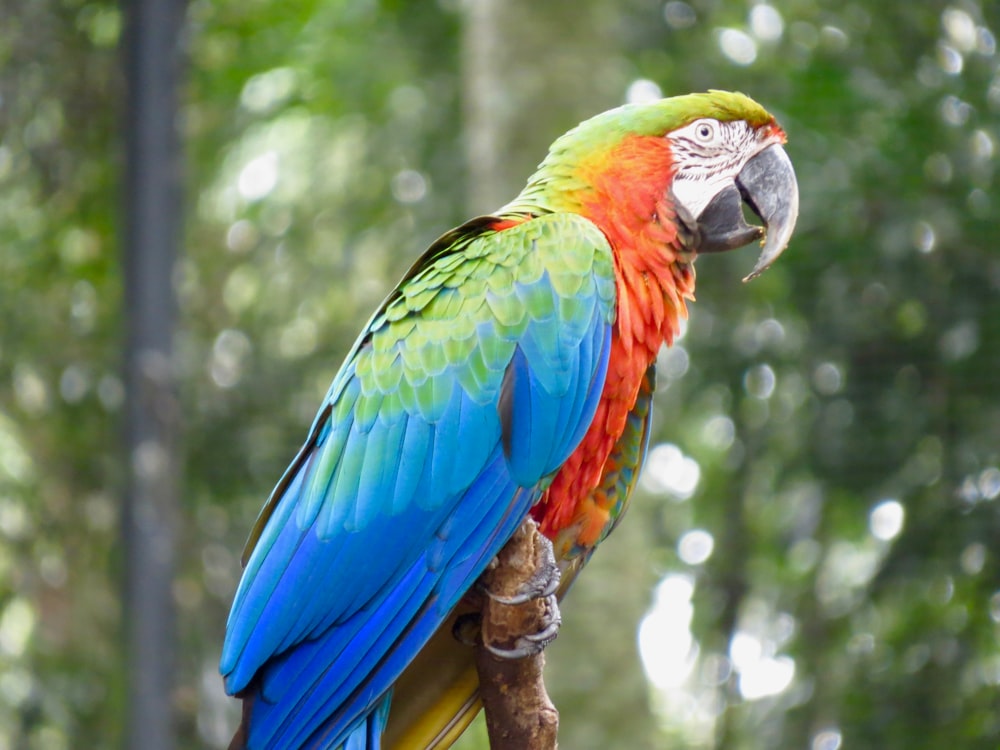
x,y
444,668
434,440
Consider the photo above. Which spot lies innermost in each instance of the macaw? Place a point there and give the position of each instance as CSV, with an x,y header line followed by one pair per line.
x,y
510,373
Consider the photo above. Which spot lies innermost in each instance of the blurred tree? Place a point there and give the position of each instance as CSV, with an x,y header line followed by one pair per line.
x,y
813,544
151,234
61,668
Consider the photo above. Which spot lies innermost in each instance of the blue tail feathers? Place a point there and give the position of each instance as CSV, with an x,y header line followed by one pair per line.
x,y
368,735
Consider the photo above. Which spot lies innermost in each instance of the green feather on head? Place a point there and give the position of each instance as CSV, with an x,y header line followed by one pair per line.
x,y
558,174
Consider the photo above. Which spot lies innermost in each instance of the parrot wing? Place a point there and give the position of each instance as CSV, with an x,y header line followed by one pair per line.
x,y
473,382
437,697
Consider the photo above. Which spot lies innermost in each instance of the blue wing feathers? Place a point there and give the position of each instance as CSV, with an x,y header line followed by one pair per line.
x,y
470,557
494,350
598,346
318,472
371,635
533,413
427,455
569,411
338,511
537,344
407,395
416,444
593,353
448,447
368,734
536,295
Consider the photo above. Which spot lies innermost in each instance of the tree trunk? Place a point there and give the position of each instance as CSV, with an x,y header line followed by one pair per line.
x,y
151,234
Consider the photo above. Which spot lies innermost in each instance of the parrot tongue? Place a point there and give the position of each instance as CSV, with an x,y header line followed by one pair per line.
x,y
767,184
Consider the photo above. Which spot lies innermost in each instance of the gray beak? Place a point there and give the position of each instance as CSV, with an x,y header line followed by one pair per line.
x,y
767,184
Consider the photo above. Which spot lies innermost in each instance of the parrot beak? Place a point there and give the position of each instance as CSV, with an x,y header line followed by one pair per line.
x,y
767,184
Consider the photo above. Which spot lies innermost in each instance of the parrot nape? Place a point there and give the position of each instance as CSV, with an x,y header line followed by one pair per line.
x,y
509,373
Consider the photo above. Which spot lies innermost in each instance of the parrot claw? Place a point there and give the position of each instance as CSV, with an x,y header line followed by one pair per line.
x,y
532,644
544,580
518,601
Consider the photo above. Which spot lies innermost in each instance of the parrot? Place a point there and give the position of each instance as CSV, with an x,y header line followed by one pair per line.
x,y
508,375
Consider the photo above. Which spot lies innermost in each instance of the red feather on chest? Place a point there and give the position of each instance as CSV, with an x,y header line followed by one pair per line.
x,y
627,197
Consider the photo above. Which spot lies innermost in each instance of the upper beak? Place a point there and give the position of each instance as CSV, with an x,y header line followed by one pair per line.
x,y
768,185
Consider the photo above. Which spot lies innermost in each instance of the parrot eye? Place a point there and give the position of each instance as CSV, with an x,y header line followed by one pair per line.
x,y
704,131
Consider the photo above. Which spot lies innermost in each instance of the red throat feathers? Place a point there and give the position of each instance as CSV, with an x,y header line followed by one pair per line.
x,y
627,198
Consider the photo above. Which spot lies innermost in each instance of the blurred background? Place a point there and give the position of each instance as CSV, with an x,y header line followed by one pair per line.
x,y
813,557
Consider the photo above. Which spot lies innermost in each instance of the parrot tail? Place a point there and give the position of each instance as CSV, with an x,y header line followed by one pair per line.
x,y
366,736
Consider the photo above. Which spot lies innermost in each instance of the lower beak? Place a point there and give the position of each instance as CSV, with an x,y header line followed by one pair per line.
x,y
767,185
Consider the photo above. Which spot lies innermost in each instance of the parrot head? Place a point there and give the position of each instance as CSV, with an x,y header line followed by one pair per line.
x,y
719,164
691,161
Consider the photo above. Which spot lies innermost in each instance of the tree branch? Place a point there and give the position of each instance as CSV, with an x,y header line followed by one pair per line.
x,y
519,713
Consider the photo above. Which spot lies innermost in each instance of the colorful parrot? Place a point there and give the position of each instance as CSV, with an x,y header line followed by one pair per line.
x,y
510,373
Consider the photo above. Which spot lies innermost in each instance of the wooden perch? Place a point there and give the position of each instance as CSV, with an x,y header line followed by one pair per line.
x,y
519,713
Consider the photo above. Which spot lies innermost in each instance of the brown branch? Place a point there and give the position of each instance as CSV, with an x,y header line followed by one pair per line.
x,y
519,713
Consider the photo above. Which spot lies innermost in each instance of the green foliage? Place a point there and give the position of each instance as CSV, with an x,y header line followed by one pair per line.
x,y
819,514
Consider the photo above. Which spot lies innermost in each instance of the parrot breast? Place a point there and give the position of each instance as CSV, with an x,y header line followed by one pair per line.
x,y
628,199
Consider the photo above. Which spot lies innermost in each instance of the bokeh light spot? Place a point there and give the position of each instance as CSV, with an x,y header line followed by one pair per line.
x,y
738,46
229,353
949,59
679,15
973,559
695,547
886,520
924,237
719,432
642,90
766,23
960,28
826,739
989,483
409,186
17,623
995,607
669,470
759,381
827,379
267,90
666,645
259,177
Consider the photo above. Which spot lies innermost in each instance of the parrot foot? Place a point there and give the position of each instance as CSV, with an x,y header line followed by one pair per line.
x,y
520,612
543,581
468,630
532,644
